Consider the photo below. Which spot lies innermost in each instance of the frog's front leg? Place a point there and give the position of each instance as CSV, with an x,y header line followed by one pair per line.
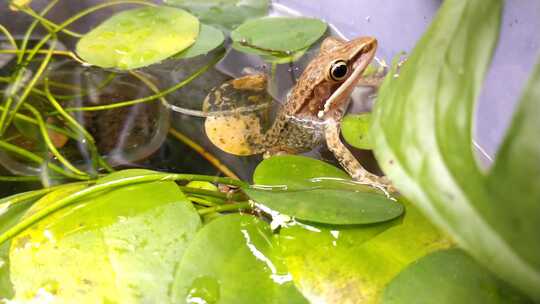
x,y
347,159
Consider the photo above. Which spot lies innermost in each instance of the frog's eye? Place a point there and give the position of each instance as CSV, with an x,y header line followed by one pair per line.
x,y
339,70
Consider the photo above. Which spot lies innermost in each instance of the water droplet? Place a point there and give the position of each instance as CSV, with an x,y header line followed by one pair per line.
x,y
204,289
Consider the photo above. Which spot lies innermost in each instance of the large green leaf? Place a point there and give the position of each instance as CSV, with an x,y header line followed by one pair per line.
x,y
225,13
139,37
342,264
121,245
447,277
233,260
312,190
422,131
9,215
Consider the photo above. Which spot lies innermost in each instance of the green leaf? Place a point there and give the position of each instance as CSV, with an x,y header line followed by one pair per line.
x,y
227,14
209,39
342,264
233,260
515,178
422,132
121,245
9,216
281,36
447,277
312,190
139,37
355,130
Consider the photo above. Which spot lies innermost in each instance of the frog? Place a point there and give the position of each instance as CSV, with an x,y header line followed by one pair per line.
x,y
311,114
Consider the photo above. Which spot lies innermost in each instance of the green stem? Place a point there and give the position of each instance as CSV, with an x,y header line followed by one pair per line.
x,y
5,119
10,38
201,201
47,22
151,97
223,208
74,197
31,28
50,144
6,202
19,178
54,128
38,160
77,127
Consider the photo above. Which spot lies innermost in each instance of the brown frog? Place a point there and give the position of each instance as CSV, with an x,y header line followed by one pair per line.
x,y
311,114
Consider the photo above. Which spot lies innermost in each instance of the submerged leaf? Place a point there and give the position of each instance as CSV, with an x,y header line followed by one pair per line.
x,y
225,13
121,245
422,136
232,260
209,39
447,277
139,37
279,37
312,190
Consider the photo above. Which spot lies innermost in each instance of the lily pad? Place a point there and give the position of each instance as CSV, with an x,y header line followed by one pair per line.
x,y
233,260
355,130
447,277
312,190
341,264
209,39
119,246
277,36
139,37
227,14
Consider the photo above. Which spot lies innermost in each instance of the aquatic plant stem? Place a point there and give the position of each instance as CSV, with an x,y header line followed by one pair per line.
x,y
54,128
47,22
34,194
31,28
54,52
5,119
214,161
38,160
222,208
10,38
77,128
74,197
151,97
50,145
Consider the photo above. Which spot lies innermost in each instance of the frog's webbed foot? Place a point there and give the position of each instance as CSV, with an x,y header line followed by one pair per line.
x,y
349,162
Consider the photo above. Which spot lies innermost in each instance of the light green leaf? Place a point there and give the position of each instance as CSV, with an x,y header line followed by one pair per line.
x,y
342,264
139,37
9,216
312,190
224,13
422,132
121,245
277,36
232,260
448,277
209,39
355,130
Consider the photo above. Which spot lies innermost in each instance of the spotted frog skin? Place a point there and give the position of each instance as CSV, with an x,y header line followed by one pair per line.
x,y
312,112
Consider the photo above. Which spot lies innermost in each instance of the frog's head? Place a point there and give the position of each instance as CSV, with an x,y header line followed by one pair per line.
x,y
327,82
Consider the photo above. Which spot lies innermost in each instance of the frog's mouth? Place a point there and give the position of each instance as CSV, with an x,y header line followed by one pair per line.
x,y
361,61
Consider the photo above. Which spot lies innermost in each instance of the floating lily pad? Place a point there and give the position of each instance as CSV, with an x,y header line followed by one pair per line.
x,y
228,14
209,39
139,37
277,36
312,190
233,260
121,245
355,130
447,277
